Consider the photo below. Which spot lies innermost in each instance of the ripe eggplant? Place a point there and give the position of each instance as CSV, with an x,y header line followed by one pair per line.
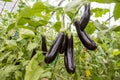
x,y
44,47
68,56
85,39
52,53
85,17
63,45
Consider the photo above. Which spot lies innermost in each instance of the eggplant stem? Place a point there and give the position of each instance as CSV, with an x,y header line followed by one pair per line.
x,y
69,27
52,75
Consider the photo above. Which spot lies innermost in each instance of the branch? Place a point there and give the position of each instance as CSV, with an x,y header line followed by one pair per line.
x,y
3,7
108,18
14,6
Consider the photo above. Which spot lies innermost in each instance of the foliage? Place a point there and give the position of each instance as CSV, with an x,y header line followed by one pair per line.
x,y
99,12
20,34
116,11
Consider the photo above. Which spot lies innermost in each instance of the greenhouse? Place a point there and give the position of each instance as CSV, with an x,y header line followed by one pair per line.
x,y
59,39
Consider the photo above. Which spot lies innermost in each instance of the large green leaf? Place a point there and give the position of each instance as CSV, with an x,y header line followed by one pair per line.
x,y
32,23
99,12
26,12
73,5
37,8
33,70
27,27
43,6
90,28
6,70
3,56
117,11
26,33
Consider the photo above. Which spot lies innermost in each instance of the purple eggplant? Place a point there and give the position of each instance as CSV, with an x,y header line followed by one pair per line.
x,y
52,53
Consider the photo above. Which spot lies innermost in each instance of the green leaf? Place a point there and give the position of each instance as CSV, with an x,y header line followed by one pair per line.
x,y
6,70
7,0
3,56
57,26
11,26
31,46
27,27
26,12
25,33
116,52
37,8
105,1
39,23
116,28
99,12
11,42
118,63
18,75
42,6
22,21
90,28
117,11
33,70
46,74
100,26
71,14
73,5
33,23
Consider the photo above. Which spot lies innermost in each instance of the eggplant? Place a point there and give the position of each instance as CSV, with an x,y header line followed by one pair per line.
x,y
87,42
85,17
34,52
44,47
68,55
85,39
52,53
63,45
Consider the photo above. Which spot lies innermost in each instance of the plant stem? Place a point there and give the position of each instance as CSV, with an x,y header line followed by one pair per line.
x,y
54,68
108,19
73,18
58,5
63,22
69,27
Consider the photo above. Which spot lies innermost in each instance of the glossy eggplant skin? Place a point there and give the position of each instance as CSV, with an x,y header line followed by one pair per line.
x,y
68,55
63,45
44,46
85,39
52,53
85,17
